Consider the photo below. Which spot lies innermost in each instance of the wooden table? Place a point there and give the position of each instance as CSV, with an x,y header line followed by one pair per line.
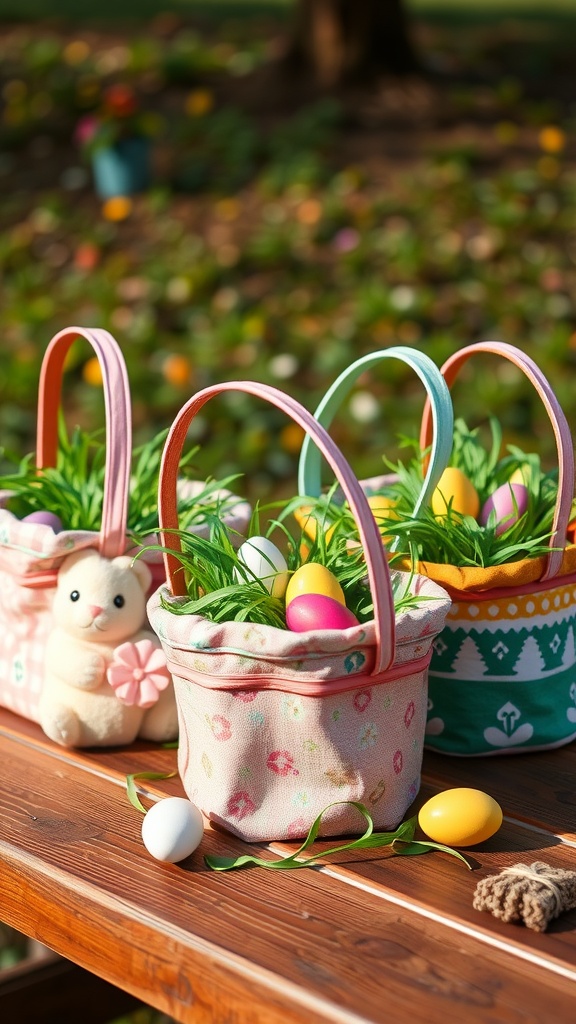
x,y
366,937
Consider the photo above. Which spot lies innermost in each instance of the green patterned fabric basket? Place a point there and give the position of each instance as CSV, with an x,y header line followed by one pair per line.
x,y
503,673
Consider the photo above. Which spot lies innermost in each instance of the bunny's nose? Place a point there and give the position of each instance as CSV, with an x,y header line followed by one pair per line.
x,y
95,610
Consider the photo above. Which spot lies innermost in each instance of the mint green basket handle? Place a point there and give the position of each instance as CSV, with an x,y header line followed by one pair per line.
x,y
309,468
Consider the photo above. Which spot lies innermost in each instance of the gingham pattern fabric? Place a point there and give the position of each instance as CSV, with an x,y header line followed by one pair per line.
x,y
30,556
28,553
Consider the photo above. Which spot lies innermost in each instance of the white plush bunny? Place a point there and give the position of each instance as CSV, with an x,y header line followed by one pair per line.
x,y
106,680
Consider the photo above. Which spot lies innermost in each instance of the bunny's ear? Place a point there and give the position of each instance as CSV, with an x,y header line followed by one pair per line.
x,y
138,567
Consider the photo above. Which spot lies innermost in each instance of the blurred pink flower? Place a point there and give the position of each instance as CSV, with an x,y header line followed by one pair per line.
x,y
86,129
138,673
346,240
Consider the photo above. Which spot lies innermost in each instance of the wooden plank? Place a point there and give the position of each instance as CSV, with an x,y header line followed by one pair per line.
x,y
109,762
264,947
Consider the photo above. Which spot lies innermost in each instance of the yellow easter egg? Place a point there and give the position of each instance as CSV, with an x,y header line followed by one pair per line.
x,y
521,476
460,817
383,509
454,489
309,524
313,578
383,506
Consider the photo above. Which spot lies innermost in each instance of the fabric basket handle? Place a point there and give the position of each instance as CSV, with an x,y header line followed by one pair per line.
x,y
559,423
376,561
309,479
118,425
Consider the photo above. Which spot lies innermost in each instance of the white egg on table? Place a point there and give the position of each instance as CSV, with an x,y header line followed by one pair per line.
x,y
264,561
172,829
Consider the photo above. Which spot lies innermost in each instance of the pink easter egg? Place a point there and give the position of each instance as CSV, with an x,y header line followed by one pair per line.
x,y
317,611
44,519
509,502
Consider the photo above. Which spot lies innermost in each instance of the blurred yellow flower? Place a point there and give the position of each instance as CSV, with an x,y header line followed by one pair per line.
x,y
76,52
92,373
227,209
199,102
291,438
117,208
552,139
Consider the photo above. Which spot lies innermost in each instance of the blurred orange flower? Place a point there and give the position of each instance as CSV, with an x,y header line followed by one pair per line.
x,y
177,370
92,373
552,139
120,101
117,208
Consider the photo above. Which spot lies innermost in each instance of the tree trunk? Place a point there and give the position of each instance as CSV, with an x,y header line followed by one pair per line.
x,y
343,42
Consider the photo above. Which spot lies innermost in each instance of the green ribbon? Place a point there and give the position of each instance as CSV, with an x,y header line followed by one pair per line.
x,y
131,786
402,842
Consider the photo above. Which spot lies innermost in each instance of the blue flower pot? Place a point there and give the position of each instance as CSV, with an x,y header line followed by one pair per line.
x,y
122,169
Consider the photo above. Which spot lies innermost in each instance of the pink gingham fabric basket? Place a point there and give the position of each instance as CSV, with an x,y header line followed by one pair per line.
x,y
31,554
274,725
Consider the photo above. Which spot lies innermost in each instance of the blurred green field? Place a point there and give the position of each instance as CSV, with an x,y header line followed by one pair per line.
x,y
281,244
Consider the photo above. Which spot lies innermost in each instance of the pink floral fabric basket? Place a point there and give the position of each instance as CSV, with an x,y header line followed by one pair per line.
x,y
31,554
275,725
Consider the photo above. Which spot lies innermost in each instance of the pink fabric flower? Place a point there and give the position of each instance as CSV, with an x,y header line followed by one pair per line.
x,y
282,762
240,804
362,699
138,673
220,727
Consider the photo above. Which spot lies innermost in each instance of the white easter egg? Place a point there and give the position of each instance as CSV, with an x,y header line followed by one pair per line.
x,y
265,562
172,829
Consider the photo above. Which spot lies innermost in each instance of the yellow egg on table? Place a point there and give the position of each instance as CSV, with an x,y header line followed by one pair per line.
x,y
456,491
313,578
460,817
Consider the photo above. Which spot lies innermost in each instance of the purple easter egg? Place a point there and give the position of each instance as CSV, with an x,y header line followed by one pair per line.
x,y
317,611
42,518
509,502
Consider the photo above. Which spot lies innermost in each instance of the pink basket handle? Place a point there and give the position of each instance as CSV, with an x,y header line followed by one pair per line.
x,y
118,425
376,562
559,424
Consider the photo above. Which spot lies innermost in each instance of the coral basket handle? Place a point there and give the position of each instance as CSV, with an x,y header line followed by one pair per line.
x,y
118,425
559,425
376,561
